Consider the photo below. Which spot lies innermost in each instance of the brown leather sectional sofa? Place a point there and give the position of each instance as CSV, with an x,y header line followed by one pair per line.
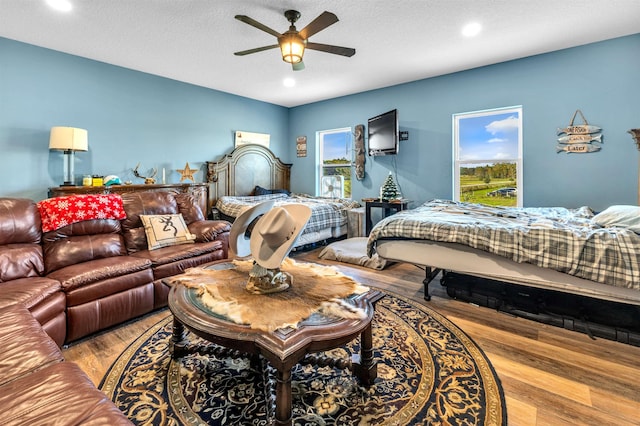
x,y
37,387
75,281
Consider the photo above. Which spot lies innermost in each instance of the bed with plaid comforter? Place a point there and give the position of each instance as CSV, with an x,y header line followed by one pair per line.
x,y
565,240
325,212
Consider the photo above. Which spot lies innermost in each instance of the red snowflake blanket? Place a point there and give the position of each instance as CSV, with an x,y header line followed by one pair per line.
x,y
62,211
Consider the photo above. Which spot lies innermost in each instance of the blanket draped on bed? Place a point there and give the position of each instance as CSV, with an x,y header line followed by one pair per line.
x,y
326,212
565,240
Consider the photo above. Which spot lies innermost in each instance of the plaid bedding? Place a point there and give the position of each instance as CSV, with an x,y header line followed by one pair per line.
x,y
565,240
325,212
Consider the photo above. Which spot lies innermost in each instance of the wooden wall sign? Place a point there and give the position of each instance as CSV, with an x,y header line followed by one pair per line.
x,y
579,138
301,146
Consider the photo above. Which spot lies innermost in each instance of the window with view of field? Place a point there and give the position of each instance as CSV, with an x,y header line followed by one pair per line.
x,y
335,163
487,152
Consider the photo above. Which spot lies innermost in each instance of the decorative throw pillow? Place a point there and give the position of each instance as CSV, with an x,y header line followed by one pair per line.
x,y
165,230
258,190
620,216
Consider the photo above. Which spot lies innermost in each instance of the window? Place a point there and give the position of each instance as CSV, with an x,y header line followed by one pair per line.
x,y
335,163
487,154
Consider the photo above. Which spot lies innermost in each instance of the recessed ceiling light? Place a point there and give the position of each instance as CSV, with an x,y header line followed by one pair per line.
x,y
61,5
472,29
289,82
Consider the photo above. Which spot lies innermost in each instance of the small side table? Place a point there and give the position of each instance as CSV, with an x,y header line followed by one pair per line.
x,y
387,208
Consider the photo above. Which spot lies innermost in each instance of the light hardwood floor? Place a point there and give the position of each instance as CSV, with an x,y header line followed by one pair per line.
x,y
550,376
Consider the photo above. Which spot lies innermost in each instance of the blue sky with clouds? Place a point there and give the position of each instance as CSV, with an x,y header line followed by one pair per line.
x,y
337,145
488,137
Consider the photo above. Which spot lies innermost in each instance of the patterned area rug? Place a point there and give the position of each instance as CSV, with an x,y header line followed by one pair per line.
x,y
429,372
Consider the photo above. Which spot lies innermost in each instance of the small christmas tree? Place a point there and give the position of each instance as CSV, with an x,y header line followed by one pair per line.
x,y
389,190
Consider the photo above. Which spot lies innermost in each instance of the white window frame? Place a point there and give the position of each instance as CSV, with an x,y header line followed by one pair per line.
x,y
348,154
457,162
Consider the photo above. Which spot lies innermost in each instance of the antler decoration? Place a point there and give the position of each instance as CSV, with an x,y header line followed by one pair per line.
x,y
635,133
147,180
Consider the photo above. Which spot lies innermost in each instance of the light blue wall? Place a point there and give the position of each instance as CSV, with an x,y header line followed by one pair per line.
x,y
601,79
136,117
131,117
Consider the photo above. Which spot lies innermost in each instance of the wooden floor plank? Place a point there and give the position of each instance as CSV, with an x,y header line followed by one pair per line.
x,y
624,408
541,379
598,366
520,413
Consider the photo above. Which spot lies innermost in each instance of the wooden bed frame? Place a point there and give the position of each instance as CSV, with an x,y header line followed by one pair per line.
x,y
246,167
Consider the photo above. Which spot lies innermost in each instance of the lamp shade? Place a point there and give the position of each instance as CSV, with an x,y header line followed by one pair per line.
x,y
68,139
292,48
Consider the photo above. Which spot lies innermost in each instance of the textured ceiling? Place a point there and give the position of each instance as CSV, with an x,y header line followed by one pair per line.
x,y
395,41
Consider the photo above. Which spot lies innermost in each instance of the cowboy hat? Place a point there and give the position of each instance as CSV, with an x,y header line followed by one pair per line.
x,y
238,236
276,232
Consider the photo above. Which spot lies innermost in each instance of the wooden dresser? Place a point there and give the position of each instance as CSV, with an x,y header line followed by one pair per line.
x,y
198,190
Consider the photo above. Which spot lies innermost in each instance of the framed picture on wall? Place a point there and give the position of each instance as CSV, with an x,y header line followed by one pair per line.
x,y
487,152
244,138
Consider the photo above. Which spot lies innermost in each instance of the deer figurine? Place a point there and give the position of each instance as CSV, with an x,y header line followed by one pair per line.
x,y
635,133
147,180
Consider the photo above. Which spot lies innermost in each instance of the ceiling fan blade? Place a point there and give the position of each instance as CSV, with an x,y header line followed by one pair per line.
x,y
337,50
320,23
299,66
257,24
256,50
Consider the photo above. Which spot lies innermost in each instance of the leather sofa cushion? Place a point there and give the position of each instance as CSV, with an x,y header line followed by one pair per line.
x,y
94,293
52,316
178,267
172,254
209,230
86,227
83,274
24,346
58,394
29,292
20,261
189,208
147,203
82,242
19,221
98,314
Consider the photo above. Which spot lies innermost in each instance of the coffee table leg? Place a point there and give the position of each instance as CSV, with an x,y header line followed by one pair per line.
x,y
283,397
177,345
364,367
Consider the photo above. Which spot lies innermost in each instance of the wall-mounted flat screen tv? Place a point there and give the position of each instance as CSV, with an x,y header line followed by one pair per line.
x,y
383,134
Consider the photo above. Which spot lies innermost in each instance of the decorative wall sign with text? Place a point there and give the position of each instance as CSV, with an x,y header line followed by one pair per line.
x,y
301,146
579,138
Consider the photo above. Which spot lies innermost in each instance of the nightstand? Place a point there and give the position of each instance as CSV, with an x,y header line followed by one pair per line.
x,y
388,208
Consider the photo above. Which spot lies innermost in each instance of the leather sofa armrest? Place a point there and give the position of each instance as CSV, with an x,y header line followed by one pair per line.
x,y
209,230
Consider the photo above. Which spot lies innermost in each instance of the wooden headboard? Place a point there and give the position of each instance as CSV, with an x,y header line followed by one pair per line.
x,y
238,172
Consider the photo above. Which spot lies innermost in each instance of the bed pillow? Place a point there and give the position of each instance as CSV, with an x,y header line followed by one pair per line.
x,y
620,216
258,190
165,230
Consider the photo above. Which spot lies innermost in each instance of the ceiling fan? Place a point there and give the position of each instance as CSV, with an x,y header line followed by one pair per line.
x,y
292,43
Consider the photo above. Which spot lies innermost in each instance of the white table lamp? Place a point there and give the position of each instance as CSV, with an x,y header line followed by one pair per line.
x,y
68,140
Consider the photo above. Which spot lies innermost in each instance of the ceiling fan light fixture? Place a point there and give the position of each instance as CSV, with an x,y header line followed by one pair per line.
x,y
292,48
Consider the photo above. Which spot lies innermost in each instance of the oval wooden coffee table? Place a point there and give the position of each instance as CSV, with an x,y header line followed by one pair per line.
x,y
282,348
